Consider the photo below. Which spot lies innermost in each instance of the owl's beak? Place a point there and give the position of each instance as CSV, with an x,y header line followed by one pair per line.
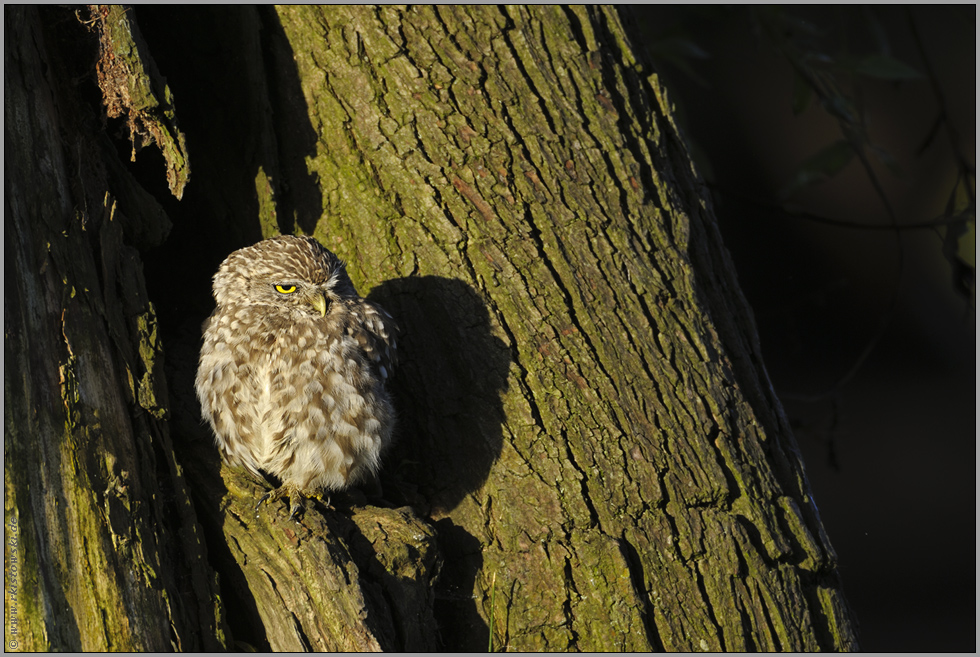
x,y
320,303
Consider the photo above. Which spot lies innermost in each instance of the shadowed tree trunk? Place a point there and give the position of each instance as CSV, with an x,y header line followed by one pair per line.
x,y
102,550
589,456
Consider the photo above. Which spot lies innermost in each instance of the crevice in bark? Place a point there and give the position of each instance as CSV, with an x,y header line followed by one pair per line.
x,y
709,607
583,481
577,29
749,638
567,606
821,621
638,578
775,645
299,201
303,639
243,615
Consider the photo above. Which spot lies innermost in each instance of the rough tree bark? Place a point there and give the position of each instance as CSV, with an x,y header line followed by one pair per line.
x,y
590,456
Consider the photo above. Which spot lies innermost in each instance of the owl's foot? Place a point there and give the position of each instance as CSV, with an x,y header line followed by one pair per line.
x,y
296,497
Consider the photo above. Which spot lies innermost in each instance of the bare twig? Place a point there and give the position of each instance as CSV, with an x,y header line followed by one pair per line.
x,y
951,132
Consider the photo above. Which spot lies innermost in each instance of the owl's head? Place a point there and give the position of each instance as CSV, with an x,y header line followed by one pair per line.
x,y
283,271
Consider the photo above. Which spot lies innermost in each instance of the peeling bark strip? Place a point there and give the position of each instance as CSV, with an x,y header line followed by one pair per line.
x,y
133,89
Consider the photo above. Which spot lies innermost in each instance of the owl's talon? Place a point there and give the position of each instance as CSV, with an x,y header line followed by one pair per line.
x,y
296,508
262,499
297,499
276,494
322,500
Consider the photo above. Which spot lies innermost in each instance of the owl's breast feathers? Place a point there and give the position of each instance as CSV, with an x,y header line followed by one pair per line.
x,y
270,377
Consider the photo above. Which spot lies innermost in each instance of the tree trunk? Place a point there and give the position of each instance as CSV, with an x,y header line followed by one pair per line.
x,y
103,550
590,455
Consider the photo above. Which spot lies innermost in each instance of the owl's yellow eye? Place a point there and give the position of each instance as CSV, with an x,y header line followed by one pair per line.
x,y
285,289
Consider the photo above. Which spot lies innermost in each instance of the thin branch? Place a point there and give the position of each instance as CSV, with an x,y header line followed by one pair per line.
x,y
933,131
951,132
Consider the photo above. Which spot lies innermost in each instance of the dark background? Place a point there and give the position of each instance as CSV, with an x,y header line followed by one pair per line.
x,y
891,454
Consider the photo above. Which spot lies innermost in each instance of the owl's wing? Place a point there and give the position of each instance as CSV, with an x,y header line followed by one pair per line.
x,y
207,322
376,337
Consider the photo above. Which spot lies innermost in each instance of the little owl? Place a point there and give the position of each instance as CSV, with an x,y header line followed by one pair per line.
x,y
293,369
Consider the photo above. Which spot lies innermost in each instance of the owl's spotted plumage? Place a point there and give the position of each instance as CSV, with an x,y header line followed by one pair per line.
x,y
293,368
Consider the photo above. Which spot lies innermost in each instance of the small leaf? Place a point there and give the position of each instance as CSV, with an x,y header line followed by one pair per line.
x,y
960,248
820,167
816,58
962,199
960,241
966,247
886,158
802,94
884,67
842,108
